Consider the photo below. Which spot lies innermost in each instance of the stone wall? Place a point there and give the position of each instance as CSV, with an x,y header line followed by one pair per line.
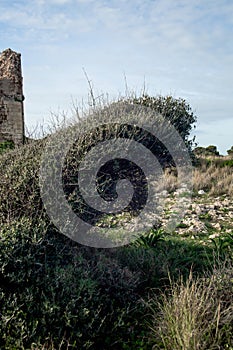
x,y
11,98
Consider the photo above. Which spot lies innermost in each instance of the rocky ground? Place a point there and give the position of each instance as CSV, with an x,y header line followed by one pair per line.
x,y
204,216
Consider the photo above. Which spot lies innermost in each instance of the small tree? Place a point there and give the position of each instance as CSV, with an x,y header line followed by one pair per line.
x,y
177,111
230,151
200,151
212,151
206,151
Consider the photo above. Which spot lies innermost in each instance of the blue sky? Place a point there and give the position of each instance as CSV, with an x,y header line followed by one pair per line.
x,y
183,48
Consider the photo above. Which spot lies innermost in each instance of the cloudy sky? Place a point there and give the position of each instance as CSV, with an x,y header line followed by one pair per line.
x,y
183,48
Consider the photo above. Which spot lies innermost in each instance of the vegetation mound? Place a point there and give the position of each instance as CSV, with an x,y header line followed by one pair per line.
x,y
58,294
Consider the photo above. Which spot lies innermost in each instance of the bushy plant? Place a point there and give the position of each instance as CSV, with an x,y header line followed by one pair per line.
x,y
5,146
19,191
224,244
57,294
150,238
206,151
176,110
52,290
230,151
212,150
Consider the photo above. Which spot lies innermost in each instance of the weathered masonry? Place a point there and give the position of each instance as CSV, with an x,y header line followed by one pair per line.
x,y
11,98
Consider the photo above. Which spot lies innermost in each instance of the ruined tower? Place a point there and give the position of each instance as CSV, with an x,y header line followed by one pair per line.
x,y
11,98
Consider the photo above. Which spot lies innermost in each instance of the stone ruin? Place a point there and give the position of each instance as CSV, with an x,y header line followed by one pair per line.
x,y
11,98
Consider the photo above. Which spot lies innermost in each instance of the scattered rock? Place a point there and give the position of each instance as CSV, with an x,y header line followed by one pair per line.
x,y
201,192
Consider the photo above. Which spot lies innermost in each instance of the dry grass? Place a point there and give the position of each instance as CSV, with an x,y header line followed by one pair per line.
x,y
196,315
210,177
213,178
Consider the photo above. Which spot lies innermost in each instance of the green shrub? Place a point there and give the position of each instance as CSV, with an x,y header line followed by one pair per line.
x,y
212,150
176,110
149,239
5,146
230,151
53,290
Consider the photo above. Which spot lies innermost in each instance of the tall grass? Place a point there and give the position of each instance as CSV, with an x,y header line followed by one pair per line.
x,y
196,314
214,178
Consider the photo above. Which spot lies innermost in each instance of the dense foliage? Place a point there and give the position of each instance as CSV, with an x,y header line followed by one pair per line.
x,y
57,294
176,110
230,151
206,151
6,145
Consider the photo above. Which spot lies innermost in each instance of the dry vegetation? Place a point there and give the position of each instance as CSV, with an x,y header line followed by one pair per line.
x,y
211,175
165,291
195,314
214,176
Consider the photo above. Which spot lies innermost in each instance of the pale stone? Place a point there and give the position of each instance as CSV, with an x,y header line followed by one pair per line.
x,y
11,98
201,192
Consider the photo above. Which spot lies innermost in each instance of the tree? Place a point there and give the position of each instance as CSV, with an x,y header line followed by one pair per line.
x,y
212,151
230,151
206,151
200,151
177,111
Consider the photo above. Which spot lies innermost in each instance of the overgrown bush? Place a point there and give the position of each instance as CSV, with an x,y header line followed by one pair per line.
x,y
19,169
52,290
176,110
19,191
57,294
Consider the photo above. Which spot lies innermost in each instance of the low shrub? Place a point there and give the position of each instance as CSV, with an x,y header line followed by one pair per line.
x,y
5,146
53,291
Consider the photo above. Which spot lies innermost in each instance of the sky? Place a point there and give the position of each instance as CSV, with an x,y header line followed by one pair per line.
x,y
181,48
